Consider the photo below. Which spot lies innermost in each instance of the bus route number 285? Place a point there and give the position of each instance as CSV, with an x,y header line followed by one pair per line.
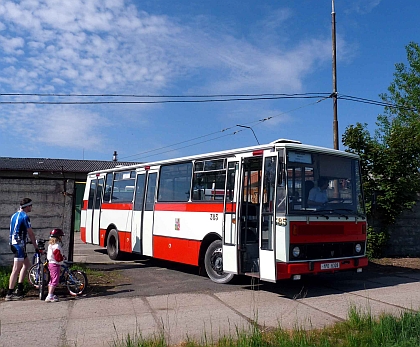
x,y
214,216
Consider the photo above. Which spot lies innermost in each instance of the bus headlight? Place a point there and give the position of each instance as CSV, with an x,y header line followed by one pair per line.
x,y
358,248
296,252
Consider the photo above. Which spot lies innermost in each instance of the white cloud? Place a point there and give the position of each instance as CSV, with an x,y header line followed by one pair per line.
x,y
362,6
12,46
96,46
68,127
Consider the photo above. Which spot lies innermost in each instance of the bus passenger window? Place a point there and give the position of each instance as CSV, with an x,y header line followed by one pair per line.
x,y
209,180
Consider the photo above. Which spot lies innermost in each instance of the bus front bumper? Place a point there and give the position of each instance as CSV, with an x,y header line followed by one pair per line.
x,y
288,270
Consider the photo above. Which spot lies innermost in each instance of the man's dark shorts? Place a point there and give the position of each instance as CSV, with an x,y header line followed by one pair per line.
x,y
19,251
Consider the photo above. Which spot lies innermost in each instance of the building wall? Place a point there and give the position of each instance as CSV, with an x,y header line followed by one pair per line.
x,y
404,238
52,208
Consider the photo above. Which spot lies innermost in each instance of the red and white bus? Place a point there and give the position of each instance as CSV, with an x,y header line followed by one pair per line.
x,y
238,212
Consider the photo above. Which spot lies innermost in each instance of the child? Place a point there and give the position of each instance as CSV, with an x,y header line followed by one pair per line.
x,y
55,259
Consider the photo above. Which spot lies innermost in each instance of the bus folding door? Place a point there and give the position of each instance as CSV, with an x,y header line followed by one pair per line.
x,y
267,218
93,212
230,230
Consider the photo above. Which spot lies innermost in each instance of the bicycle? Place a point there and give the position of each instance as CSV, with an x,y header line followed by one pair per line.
x,y
38,269
75,280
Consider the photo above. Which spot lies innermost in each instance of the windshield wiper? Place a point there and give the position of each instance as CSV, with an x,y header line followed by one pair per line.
x,y
353,211
335,211
319,213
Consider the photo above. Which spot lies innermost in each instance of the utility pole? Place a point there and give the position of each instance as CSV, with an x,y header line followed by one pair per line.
x,y
334,79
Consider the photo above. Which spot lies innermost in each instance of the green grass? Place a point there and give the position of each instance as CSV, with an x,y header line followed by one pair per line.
x,y
6,270
359,330
4,280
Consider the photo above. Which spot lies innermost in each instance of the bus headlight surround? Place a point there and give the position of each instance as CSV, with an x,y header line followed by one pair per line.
x,y
296,252
358,248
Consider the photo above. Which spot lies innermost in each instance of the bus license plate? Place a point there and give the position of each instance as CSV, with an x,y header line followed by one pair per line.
x,y
328,266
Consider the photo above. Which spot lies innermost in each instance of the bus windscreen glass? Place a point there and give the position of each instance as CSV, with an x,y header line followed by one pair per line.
x,y
323,184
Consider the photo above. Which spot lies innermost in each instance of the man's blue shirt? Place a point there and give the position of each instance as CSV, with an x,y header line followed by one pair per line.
x,y
19,225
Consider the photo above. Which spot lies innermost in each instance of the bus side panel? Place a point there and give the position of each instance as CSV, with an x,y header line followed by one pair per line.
x,y
184,226
121,218
175,249
83,234
102,235
187,225
125,241
83,218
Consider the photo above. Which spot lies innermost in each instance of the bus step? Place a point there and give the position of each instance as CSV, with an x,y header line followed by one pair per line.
x,y
252,274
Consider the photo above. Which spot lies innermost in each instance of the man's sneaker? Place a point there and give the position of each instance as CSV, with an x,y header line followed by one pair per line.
x,y
13,297
51,299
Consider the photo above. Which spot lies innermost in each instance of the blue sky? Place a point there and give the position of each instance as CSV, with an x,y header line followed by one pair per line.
x,y
189,48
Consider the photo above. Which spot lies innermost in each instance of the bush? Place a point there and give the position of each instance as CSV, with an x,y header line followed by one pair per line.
x,y
376,241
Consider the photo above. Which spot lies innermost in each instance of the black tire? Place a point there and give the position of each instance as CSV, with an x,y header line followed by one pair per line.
x,y
76,282
43,281
113,245
213,263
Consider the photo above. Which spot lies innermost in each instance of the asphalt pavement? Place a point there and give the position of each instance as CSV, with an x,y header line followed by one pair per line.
x,y
92,321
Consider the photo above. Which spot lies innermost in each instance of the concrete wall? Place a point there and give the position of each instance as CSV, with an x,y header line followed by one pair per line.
x,y
52,208
405,235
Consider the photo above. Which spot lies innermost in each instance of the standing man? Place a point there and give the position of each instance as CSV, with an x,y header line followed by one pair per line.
x,y
20,228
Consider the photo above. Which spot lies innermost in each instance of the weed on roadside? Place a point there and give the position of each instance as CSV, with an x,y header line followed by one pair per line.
x,y
359,330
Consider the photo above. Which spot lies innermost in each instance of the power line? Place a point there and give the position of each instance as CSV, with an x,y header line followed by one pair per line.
x,y
375,102
159,96
205,98
194,99
175,144
254,123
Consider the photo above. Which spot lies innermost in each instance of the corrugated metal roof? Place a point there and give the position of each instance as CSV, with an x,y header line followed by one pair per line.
x,y
57,165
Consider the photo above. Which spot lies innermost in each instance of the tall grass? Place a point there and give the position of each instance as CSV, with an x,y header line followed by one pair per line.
x,y
361,329
5,272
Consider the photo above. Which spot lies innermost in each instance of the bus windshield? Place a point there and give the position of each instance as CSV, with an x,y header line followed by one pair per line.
x,y
318,183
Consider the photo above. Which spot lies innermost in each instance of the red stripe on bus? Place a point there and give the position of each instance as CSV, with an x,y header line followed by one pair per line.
x,y
194,207
301,232
83,234
85,205
177,250
102,234
125,241
117,206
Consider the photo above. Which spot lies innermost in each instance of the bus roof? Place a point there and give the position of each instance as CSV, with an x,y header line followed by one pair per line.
x,y
277,144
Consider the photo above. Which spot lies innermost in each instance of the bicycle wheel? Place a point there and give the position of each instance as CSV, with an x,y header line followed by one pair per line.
x,y
76,282
43,274
33,275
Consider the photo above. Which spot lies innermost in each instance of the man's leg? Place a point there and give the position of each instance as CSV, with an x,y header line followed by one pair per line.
x,y
22,275
17,267
18,261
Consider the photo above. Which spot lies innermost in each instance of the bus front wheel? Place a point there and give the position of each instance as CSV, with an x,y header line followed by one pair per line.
x,y
213,262
113,245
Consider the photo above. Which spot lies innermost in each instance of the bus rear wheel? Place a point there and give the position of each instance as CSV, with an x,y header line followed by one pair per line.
x,y
213,263
113,245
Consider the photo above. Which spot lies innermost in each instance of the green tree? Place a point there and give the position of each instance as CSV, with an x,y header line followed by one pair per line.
x,y
391,158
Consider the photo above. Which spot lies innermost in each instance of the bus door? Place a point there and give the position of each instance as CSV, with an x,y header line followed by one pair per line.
x,y
143,212
249,215
230,226
138,207
93,212
267,219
